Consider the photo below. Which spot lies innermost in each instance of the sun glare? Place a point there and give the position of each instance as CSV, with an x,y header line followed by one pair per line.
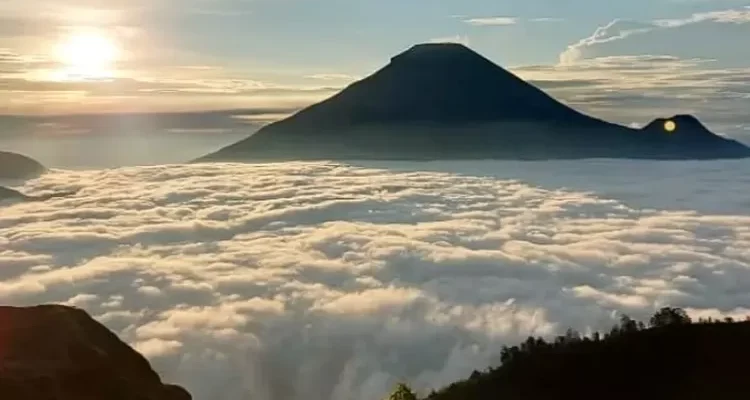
x,y
87,55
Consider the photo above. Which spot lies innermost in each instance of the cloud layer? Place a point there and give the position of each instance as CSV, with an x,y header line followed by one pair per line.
x,y
326,281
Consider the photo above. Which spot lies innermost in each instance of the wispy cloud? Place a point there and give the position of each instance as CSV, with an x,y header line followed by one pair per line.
x,y
333,77
547,19
663,66
31,87
492,21
738,16
640,88
462,39
694,36
500,21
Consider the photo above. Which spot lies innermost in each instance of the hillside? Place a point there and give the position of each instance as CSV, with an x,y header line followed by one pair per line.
x,y
17,166
53,352
671,359
445,101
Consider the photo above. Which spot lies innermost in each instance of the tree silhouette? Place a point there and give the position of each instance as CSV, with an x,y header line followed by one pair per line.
x,y
402,392
669,316
685,361
627,324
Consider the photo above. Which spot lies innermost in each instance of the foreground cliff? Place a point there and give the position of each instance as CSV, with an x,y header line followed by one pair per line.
x,y
444,101
61,353
673,358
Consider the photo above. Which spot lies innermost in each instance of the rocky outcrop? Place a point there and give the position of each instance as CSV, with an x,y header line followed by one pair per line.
x,y
17,166
53,352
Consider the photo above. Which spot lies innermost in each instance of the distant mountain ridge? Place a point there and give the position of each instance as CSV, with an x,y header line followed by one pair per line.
x,y
445,101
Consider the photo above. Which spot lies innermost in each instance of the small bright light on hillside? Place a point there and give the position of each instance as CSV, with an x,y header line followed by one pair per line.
x,y
670,126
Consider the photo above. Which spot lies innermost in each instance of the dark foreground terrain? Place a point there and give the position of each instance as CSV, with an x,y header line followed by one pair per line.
x,y
672,358
61,353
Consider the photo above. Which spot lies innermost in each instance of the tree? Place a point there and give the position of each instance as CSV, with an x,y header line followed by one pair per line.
x,y
669,316
505,354
572,336
403,392
627,324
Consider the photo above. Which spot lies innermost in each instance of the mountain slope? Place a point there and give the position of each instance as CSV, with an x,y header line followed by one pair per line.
x,y
17,166
676,360
54,352
444,101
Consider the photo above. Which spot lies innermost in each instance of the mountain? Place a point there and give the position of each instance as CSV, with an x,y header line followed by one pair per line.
x,y
53,352
445,101
17,166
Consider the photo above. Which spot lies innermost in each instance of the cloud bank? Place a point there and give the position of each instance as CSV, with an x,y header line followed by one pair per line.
x,y
325,281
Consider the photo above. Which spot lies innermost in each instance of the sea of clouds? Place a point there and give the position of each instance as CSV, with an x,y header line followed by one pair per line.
x,y
322,281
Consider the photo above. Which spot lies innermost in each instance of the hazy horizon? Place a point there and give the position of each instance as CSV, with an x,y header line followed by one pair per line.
x,y
624,63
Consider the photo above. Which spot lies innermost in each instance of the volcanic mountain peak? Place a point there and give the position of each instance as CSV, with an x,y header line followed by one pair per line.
x,y
445,101
435,83
436,52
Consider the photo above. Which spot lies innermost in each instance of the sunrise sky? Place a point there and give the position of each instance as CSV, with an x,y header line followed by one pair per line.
x,y
623,60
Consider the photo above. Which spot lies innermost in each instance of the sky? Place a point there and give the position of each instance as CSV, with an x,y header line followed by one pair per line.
x,y
628,61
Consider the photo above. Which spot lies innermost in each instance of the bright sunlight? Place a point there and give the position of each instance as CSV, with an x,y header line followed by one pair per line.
x,y
87,54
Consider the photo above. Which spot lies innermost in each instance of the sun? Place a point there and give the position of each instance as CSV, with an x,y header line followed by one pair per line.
x,y
87,54
670,126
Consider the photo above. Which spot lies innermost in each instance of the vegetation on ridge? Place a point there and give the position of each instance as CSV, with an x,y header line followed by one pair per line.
x,y
670,357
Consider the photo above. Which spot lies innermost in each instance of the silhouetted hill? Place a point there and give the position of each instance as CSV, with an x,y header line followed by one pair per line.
x,y
12,194
673,359
444,101
60,353
17,166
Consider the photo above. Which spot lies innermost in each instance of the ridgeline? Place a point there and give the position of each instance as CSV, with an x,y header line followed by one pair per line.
x,y
443,101
670,358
